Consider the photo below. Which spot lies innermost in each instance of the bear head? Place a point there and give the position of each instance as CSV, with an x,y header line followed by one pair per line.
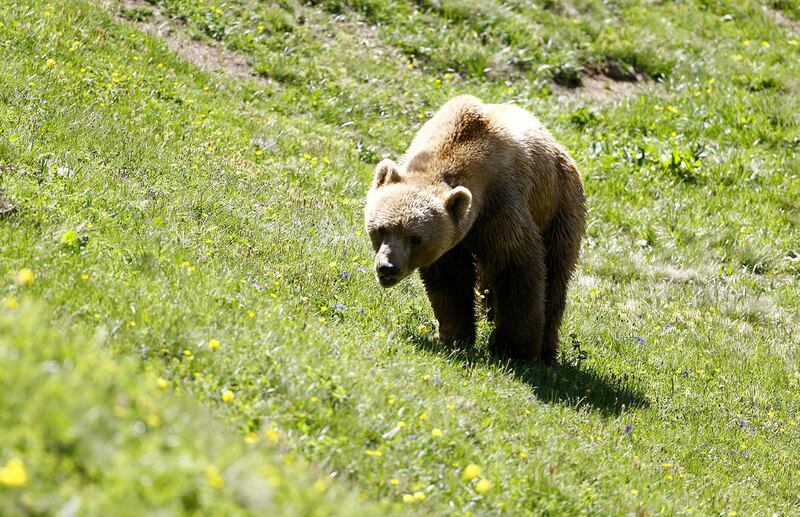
x,y
411,225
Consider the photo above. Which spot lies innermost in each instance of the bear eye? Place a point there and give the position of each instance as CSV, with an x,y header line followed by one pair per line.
x,y
416,240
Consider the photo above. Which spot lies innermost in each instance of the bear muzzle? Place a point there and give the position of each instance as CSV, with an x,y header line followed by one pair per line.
x,y
388,273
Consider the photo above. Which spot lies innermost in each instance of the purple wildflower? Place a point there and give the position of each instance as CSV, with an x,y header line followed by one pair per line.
x,y
641,340
361,269
628,428
361,311
743,424
345,275
686,373
340,307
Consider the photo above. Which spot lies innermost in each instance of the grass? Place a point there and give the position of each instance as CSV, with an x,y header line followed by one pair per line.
x,y
164,208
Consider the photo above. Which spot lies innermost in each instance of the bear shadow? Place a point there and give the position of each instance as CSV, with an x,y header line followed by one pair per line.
x,y
569,383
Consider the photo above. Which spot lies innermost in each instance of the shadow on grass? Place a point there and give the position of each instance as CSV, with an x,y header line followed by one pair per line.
x,y
567,384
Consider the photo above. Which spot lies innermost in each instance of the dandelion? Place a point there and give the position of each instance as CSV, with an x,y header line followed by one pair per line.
x,y
793,42
634,492
272,435
408,498
471,471
213,344
401,424
419,496
373,453
251,438
746,43
483,486
11,303
394,481
213,477
227,396
390,401
25,276
313,399
13,473
436,433
153,420
326,160
162,383
450,406
51,62
251,314
523,455
423,417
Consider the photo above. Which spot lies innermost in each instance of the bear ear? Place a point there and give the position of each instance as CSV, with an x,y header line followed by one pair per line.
x,y
385,173
458,202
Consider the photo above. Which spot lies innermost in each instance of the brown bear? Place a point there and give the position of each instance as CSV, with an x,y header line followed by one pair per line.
x,y
484,198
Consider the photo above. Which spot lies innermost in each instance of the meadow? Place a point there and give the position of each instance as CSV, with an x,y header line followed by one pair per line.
x,y
189,322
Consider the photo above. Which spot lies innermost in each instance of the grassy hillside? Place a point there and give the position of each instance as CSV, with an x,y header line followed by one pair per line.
x,y
207,225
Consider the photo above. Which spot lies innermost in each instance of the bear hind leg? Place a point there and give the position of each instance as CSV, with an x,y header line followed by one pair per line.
x,y
450,285
518,305
562,242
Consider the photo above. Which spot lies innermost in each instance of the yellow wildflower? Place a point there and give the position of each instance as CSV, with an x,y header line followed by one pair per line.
x,y
13,473
394,481
153,420
483,486
213,477
227,395
408,498
25,276
634,492
213,344
419,496
51,62
162,383
471,472
11,303
436,433
272,435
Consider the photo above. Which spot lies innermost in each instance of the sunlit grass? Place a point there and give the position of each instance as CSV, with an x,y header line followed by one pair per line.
x,y
208,230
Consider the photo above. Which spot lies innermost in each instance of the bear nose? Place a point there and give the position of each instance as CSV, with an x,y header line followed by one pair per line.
x,y
387,269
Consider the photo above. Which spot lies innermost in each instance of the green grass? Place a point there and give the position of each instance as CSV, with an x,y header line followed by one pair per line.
x,y
162,207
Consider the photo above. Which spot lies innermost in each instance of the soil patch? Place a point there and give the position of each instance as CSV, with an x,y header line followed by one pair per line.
x,y
208,57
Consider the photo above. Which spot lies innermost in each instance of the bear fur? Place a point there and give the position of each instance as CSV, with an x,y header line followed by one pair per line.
x,y
484,198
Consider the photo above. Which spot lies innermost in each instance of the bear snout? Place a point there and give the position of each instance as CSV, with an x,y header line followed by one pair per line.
x,y
387,273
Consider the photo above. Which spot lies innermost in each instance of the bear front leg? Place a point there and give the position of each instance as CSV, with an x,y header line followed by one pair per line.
x,y
450,284
518,303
